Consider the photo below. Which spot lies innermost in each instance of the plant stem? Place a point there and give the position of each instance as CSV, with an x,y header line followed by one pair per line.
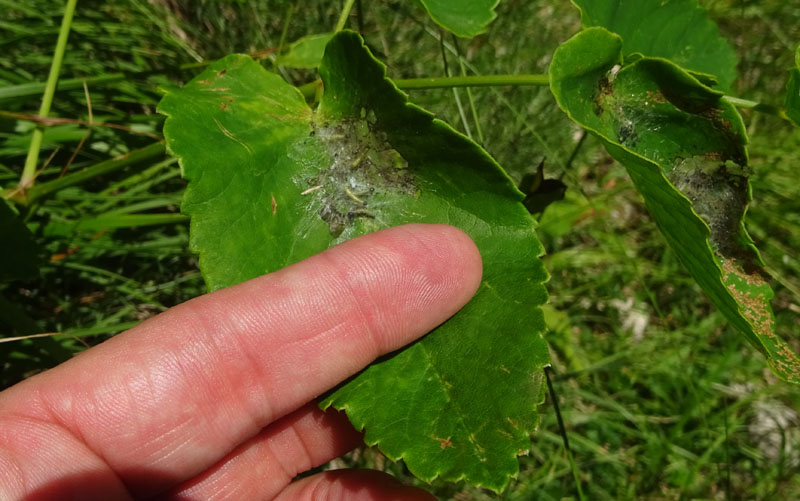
x,y
455,91
286,21
756,106
29,171
79,332
563,430
469,91
132,157
136,183
348,6
114,221
308,90
52,121
360,16
30,88
472,81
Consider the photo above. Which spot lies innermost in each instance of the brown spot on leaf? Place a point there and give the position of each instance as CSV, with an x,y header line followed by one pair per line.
x,y
714,156
747,289
274,204
445,442
227,100
754,306
655,96
605,88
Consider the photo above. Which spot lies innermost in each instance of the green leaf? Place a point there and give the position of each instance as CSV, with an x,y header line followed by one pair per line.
x,y
678,30
684,148
465,18
55,136
306,52
793,91
20,252
272,182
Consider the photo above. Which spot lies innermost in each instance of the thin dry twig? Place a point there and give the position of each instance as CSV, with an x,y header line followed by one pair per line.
x,y
51,121
85,136
44,334
30,336
19,188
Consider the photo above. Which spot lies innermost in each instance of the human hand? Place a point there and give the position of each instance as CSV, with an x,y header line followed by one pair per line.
x,y
213,399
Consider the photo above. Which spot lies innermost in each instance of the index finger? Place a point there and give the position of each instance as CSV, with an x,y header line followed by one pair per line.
x,y
166,400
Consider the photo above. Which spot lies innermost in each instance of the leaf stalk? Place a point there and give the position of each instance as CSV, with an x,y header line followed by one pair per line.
x,y
472,81
309,90
348,6
29,171
756,106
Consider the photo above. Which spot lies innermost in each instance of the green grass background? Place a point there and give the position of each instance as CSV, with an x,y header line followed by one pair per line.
x,y
661,398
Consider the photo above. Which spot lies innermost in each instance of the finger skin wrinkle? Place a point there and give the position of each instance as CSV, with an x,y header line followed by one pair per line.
x,y
62,414
266,473
285,463
352,485
263,355
221,364
11,471
251,390
121,411
267,463
240,372
299,461
139,423
193,430
352,285
58,415
117,405
22,474
136,411
301,366
318,491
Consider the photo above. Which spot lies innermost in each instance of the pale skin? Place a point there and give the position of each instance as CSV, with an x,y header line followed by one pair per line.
x,y
215,398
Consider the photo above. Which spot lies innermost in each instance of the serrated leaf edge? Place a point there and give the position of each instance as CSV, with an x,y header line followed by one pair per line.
x,y
330,402
720,276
